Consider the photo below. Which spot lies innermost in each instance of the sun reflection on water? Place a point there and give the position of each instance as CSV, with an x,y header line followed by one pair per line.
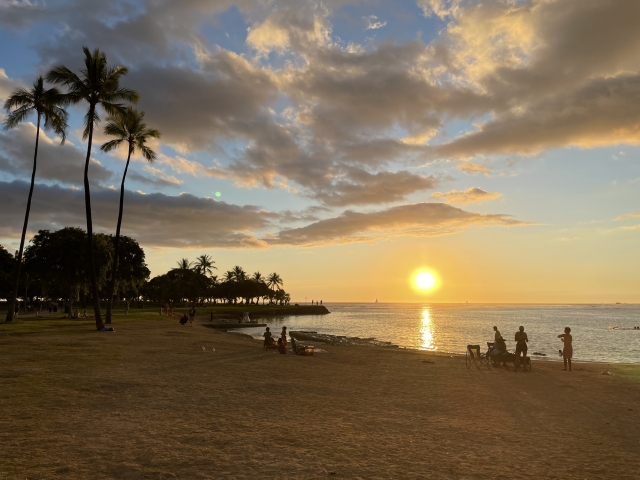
x,y
426,331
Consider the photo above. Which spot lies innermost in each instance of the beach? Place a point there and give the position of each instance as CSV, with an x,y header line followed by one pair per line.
x,y
155,400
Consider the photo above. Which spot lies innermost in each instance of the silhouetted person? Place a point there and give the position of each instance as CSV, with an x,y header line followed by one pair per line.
x,y
521,346
268,339
497,334
567,351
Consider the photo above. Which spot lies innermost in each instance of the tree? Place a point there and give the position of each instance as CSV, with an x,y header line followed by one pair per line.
x,y
204,265
99,86
127,127
48,105
7,267
132,272
57,262
238,273
274,281
184,264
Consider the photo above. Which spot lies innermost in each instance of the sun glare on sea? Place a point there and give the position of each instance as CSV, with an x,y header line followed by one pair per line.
x,y
424,281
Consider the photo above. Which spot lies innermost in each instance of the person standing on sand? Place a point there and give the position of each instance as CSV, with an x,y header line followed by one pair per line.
x,y
283,336
567,351
192,315
267,338
521,346
127,304
497,335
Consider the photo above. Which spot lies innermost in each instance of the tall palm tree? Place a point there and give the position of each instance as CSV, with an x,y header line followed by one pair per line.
x,y
99,86
127,127
274,281
204,265
239,274
229,276
184,264
48,105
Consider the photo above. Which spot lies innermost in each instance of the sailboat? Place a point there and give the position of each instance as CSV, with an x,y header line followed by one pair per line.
x,y
376,300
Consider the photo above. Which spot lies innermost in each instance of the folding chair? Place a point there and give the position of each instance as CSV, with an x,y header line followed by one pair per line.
x,y
474,357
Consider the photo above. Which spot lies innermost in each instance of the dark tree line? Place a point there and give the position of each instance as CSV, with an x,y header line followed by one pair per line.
x,y
190,283
56,267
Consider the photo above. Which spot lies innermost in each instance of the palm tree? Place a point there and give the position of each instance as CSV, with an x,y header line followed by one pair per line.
x,y
127,127
257,277
204,265
229,276
48,106
273,281
184,264
98,85
238,273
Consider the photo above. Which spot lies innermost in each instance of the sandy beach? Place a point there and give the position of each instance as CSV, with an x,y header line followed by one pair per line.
x,y
147,401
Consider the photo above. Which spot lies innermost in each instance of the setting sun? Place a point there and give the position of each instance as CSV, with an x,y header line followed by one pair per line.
x,y
424,280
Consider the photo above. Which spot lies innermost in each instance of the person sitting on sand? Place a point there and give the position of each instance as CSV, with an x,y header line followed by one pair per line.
x,y
281,347
84,315
268,339
567,351
521,346
283,336
499,348
184,319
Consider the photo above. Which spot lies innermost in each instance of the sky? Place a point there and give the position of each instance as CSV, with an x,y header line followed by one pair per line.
x,y
346,144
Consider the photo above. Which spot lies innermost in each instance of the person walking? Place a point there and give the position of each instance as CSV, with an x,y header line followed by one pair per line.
x,y
567,351
127,304
521,347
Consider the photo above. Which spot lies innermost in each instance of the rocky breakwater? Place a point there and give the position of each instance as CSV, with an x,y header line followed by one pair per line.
x,y
286,310
340,340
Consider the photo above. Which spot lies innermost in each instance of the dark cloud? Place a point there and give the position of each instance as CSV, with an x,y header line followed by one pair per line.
x,y
604,112
154,220
64,163
420,219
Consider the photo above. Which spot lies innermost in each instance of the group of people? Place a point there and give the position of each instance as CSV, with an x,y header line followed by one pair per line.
x,y
521,339
280,344
188,317
314,302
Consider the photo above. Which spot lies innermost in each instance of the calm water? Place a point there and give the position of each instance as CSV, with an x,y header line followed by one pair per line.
x,y
450,327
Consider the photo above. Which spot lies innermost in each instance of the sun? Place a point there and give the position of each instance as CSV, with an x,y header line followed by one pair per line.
x,y
424,280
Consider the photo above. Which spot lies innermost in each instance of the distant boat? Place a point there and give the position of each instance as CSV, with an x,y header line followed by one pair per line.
x,y
617,303
376,300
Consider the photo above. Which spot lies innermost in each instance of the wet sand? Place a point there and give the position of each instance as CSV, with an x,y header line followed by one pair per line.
x,y
148,402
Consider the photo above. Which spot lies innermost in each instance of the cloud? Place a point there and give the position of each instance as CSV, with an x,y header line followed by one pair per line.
x,y
473,168
628,215
420,219
289,27
372,24
64,163
363,188
440,8
7,85
154,219
465,197
603,112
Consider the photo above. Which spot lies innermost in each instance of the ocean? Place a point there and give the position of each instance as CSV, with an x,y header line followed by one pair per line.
x,y
601,333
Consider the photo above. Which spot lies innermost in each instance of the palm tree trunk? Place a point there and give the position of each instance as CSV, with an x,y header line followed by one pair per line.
x,y
114,268
87,204
16,277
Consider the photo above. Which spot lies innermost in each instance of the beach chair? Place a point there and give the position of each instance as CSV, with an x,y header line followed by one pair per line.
x,y
474,357
299,349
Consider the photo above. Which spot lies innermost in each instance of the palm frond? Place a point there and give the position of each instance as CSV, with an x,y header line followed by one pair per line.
x,y
112,145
